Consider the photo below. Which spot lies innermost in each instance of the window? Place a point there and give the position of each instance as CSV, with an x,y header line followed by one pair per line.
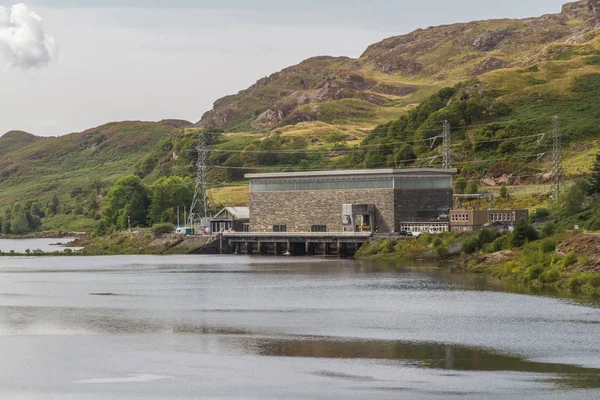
x,y
246,228
318,228
279,228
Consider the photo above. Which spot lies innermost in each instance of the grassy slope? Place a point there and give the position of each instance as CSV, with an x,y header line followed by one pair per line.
x,y
58,165
14,140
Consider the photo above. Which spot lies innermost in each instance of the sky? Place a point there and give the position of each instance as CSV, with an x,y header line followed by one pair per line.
x,y
84,63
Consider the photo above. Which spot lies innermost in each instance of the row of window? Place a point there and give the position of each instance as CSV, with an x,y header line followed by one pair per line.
x,y
460,218
433,228
313,228
379,183
504,217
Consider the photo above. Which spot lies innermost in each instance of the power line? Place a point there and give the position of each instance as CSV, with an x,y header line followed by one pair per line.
x,y
373,145
290,168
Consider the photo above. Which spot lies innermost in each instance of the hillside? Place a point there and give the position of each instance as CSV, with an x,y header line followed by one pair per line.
x,y
37,169
15,140
394,75
386,105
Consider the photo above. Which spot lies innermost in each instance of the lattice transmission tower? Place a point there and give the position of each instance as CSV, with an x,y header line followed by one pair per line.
x,y
199,207
447,146
557,167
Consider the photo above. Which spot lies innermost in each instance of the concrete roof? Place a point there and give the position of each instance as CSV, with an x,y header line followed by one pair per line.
x,y
389,171
237,212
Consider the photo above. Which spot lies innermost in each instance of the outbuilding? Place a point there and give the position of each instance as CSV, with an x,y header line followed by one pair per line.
x,y
235,219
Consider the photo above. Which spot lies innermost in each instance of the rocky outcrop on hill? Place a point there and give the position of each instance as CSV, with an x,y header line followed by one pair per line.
x,y
439,54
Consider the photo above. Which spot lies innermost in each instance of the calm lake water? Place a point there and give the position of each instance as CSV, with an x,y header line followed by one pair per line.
x,y
204,327
22,245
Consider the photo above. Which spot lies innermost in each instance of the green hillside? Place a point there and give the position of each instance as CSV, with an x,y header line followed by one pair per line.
x,y
15,140
383,108
38,170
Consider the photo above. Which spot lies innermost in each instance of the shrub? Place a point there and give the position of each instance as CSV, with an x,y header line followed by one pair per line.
x,y
161,228
488,236
523,233
548,246
595,281
570,259
550,276
471,246
503,192
442,253
575,282
548,229
437,242
501,243
472,188
387,246
533,272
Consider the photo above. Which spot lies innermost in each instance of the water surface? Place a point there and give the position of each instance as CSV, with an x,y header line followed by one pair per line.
x,y
207,327
20,246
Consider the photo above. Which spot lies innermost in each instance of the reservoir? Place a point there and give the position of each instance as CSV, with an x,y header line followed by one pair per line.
x,y
236,327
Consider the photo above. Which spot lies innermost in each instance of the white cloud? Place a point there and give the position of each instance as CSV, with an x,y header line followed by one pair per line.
x,y
23,42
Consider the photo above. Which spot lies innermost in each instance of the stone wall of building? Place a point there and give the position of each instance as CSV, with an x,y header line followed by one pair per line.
x,y
411,203
299,210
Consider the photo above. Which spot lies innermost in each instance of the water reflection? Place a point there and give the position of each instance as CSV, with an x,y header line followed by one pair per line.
x,y
425,355
337,324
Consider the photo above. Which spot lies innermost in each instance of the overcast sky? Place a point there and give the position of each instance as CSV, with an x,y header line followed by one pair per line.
x,y
149,60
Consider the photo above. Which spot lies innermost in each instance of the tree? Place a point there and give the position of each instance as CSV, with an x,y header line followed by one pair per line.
x,y
166,195
573,199
336,138
523,233
472,188
460,184
53,207
19,224
595,177
96,184
127,199
503,192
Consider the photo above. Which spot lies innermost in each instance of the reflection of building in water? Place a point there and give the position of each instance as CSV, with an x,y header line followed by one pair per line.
x,y
350,201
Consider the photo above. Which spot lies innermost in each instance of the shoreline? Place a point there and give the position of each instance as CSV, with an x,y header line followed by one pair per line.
x,y
566,264
46,235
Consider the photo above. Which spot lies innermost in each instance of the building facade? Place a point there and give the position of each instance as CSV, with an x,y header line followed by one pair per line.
x,y
231,219
475,220
348,201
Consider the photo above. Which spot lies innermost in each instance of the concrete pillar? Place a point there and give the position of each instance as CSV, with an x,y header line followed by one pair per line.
x,y
307,246
325,248
288,252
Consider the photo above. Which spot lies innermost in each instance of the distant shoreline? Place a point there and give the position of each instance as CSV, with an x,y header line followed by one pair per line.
x,y
46,235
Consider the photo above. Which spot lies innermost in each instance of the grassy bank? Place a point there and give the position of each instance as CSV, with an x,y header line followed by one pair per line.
x,y
566,262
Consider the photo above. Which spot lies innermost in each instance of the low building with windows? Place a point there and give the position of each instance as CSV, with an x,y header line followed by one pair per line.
x,y
235,219
382,201
475,220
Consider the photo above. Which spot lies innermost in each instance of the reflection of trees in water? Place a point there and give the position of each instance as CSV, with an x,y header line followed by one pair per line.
x,y
427,355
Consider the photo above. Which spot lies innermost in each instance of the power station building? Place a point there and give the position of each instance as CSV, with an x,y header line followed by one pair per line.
x,y
382,201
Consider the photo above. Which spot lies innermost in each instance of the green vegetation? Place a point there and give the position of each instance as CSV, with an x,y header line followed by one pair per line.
x,y
384,109
127,203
